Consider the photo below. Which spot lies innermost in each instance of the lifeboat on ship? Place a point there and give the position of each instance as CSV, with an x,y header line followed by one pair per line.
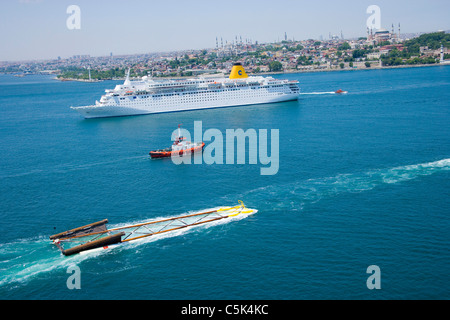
x,y
180,147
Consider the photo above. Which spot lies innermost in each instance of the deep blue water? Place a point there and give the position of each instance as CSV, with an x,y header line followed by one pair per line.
x,y
364,179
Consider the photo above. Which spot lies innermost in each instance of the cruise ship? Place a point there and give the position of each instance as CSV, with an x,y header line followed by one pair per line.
x,y
147,96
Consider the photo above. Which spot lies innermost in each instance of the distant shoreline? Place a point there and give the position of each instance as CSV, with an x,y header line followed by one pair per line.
x,y
356,69
80,80
447,63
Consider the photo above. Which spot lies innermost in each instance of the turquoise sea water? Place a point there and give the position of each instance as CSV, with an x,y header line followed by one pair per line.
x,y
364,179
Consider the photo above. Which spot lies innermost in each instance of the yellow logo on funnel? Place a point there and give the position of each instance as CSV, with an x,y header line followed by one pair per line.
x,y
238,72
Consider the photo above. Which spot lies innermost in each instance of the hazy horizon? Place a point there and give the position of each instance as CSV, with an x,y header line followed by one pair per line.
x,y
37,30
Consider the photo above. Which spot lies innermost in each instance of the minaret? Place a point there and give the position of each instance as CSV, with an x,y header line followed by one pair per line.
x,y
217,43
392,33
399,31
442,53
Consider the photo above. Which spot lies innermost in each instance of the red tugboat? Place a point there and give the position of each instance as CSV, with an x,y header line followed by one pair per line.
x,y
180,147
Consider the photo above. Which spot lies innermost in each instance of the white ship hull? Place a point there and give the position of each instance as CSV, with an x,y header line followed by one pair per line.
x,y
150,107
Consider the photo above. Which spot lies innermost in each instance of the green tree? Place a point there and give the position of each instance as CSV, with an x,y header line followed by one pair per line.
x,y
275,66
359,53
383,43
430,40
344,46
304,61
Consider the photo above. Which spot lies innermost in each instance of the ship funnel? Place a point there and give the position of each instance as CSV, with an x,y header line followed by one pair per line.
x,y
238,72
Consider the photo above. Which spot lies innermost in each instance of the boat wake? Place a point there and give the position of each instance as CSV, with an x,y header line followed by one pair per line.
x,y
315,93
25,259
294,196
68,167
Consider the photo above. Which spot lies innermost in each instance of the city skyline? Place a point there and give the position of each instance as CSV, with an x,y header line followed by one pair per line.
x,y
37,30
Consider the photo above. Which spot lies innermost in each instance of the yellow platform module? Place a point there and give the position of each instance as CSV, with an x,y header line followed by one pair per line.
x,y
238,72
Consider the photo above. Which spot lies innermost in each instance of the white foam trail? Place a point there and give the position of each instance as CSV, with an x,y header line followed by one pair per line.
x,y
294,196
64,168
313,93
24,259
27,258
